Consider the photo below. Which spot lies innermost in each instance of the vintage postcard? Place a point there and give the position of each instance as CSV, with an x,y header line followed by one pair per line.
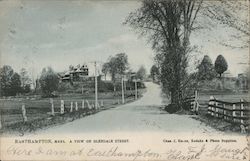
x,y
127,80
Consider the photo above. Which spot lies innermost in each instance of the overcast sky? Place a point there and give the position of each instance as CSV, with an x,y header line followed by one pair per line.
x,y
36,34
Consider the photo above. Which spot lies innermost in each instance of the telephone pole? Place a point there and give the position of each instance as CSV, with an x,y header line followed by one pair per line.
x,y
96,90
136,89
123,101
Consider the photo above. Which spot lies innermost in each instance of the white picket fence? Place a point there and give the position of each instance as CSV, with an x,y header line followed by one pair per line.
x,y
85,104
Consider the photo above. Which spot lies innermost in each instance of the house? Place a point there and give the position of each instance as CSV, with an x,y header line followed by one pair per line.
x,y
78,73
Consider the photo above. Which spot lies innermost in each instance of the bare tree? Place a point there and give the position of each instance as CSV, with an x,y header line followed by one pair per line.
x,y
232,14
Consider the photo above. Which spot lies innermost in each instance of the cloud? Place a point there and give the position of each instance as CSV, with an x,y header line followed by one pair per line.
x,y
61,33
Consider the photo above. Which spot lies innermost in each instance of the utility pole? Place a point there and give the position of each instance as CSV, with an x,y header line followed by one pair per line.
x,y
125,87
136,89
96,90
123,101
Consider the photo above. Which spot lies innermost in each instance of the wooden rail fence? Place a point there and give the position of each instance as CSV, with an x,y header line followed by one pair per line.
x,y
234,112
193,102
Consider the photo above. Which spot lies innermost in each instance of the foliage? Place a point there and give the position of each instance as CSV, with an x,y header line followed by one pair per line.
x,y
206,69
71,67
49,81
141,73
105,86
25,80
10,83
116,66
247,72
26,88
220,65
233,15
168,25
105,69
64,86
15,84
6,73
154,72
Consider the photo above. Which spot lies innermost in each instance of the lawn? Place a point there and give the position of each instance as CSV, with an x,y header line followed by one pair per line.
x,y
204,97
39,108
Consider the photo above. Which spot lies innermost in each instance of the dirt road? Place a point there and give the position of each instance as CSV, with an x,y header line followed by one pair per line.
x,y
142,115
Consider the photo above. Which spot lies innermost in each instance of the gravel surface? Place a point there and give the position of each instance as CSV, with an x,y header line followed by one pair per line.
x,y
144,114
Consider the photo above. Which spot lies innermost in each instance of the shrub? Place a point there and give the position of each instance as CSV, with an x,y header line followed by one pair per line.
x,y
172,108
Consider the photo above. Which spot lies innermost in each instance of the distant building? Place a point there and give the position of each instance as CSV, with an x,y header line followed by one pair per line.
x,y
76,74
228,76
242,81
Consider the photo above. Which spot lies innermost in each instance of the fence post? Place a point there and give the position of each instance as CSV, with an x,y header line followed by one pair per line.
x,y
118,101
196,105
234,113
224,112
241,112
243,129
211,102
62,107
25,119
82,104
192,104
216,110
76,105
52,107
89,106
71,106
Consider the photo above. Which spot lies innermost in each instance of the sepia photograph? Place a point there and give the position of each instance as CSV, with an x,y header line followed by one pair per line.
x,y
134,79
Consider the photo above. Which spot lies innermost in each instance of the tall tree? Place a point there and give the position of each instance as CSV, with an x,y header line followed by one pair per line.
x,y
116,66
168,25
220,65
6,72
154,72
15,84
48,81
105,69
10,83
141,73
25,80
206,69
